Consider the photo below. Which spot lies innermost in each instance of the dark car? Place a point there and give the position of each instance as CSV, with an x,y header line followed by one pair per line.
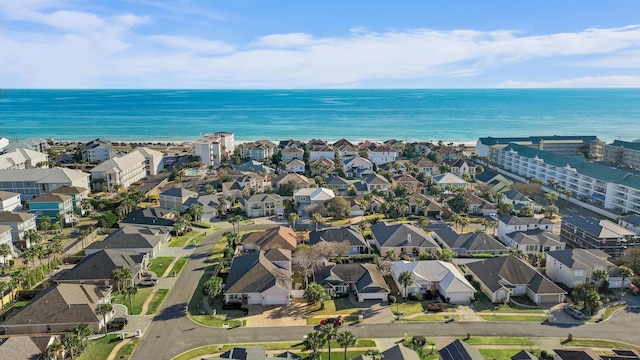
x,y
120,320
336,322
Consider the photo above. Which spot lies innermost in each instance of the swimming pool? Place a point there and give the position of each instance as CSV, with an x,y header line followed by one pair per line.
x,y
192,173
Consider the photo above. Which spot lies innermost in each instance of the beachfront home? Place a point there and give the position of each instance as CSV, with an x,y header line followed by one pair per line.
x,y
21,158
154,160
10,201
260,205
253,279
261,149
214,147
58,207
119,172
35,144
434,277
19,222
98,150
31,183
382,154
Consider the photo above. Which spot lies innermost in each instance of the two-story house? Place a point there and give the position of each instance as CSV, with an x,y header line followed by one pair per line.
x,y
19,222
260,205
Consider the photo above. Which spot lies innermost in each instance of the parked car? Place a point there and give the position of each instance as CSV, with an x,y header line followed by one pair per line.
x,y
336,322
148,282
120,320
575,313
493,216
438,217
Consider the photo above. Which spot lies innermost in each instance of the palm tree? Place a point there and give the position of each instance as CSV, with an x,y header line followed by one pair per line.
x,y
374,354
5,251
551,198
118,277
235,220
455,218
293,218
314,342
464,221
4,286
104,309
212,287
32,237
83,331
55,349
329,332
493,224
345,339
72,343
625,272
129,292
127,275
485,223
599,276
316,218
405,279
196,211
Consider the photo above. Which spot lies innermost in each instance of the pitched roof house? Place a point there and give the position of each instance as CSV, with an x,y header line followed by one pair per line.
x,y
260,205
10,201
134,239
97,268
534,241
459,350
19,222
339,185
365,279
281,237
396,352
402,239
150,217
572,267
26,347
307,198
175,197
435,276
349,234
503,277
467,243
356,166
257,281
119,172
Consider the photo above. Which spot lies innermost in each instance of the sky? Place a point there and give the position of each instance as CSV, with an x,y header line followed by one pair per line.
x,y
296,44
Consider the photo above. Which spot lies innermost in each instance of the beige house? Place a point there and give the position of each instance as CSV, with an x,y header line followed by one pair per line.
x,y
260,205
175,198
10,201
23,159
402,239
19,222
573,267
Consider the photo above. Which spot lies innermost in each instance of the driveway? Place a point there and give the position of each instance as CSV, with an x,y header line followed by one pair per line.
x,y
286,315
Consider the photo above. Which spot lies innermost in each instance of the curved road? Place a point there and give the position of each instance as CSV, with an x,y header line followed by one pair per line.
x,y
171,332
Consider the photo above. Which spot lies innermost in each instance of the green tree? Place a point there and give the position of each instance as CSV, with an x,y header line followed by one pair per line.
x,y
446,255
4,286
460,202
212,287
314,293
314,342
338,207
405,279
83,331
104,309
73,344
626,273
598,276
5,251
464,221
293,218
551,198
329,332
196,212
505,208
345,339
55,350
117,276
526,211
316,219
455,218
550,211
129,292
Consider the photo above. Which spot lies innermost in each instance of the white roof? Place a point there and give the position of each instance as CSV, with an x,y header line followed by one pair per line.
x,y
315,194
447,274
43,176
448,178
120,163
145,151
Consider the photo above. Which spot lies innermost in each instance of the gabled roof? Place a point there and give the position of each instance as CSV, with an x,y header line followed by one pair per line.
x,y
155,216
447,274
50,197
515,220
278,254
6,195
100,265
602,229
524,355
278,237
581,259
375,179
516,195
24,347
343,142
383,148
513,270
315,194
448,178
69,190
43,176
293,150
486,176
121,163
253,165
245,353
536,236
424,162
456,162
459,350
295,163
254,273
576,354
404,178
477,241
296,179
178,192
339,234
15,217
132,237
400,352
263,197
366,277
358,162
402,235
336,180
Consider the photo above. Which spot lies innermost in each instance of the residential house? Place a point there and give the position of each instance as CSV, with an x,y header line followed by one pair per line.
x,y
155,217
260,205
517,198
630,222
524,355
372,205
575,354
249,183
175,198
290,154
311,198
134,239
350,235
21,158
572,267
593,233
254,280
339,185
298,181
371,182
460,167
459,350
295,166
119,172
281,237
5,238
321,152
322,166
356,166
496,182
407,180
449,180
467,243
382,154
261,149
10,201
534,241
77,195
59,309
346,150
481,206
447,152
365,280
424,206
434,277
402,239
31,183
253,166
254,353
502,277
396,352
427,166
96,269
154,160
511,223
294,144
53,205
213,147
98,150
19,222
26,347
211,205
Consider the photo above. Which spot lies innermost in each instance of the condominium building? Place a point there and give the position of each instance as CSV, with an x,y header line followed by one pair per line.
x,y
212,147
593,233
31,183
119,172
561,145
623,153
597,184
98,150
22,158
154,160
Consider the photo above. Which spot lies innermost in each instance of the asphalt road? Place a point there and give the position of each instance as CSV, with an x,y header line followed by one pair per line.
x,y
172,333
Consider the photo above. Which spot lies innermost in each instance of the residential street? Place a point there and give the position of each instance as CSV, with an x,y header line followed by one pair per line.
x,y
172,332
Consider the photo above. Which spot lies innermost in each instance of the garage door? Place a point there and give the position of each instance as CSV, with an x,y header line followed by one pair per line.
x,y
275,300
549,299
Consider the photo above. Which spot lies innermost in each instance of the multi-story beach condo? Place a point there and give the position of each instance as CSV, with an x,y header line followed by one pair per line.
x,y
31,183
212,147
623,153
561,145
98,150
119,172
22,158
597,184
594,233
154,160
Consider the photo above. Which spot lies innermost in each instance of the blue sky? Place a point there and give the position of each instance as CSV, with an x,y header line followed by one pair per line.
x,y
318,44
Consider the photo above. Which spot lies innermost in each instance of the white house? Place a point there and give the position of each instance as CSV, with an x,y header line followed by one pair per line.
x,y
356,166
19,222
295,166
119,172
5,238
213,147
382,155
321,152
573,267
154,160
21,158
10,201
291,153
98,150
435,276
31,183
310,197
509,224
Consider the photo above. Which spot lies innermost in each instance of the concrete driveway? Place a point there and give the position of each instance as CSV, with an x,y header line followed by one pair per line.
x,y
285,315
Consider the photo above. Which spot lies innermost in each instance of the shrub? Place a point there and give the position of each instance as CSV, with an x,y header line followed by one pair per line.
x,y
419,341
436,307
392,299
415,296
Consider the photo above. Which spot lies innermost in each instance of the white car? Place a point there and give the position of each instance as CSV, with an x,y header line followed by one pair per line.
x,y
493,216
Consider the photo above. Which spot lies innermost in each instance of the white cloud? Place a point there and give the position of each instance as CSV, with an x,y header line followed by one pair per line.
x,y
285,40
583,82
193,44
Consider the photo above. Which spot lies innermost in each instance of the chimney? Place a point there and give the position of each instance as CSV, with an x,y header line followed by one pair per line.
x,y
408,238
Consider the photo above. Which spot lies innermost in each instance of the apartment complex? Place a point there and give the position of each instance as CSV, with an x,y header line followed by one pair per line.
x,y
623,153
597,184
119,172
22,158
561,145
592,233
98,150
213,146
31,183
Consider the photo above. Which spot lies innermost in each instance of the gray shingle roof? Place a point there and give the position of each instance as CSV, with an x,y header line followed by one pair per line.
x,y
581,259
15,217
178,192
100,266
399,235
6,195
349,233
254,273
632,219
149,216
478,241
132,237
536,236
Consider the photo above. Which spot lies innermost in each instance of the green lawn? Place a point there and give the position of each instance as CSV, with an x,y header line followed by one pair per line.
x,y
217,321
485,305
160,264
333,307
157,300
188,239
98,349
602,344
179,264
408,308
503,354
499,317
125,352
137,301
495,340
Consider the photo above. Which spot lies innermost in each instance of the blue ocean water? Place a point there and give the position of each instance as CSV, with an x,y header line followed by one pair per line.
x,y
414,115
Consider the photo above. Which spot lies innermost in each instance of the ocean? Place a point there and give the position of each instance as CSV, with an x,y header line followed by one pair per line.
x,y
413,115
